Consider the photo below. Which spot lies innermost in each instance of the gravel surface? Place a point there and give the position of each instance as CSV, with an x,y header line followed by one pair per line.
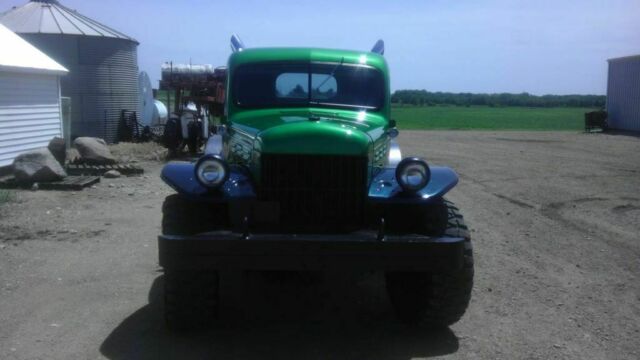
x,y
555,220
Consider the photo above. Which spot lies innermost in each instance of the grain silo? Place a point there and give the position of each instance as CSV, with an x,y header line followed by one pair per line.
x,y
102,63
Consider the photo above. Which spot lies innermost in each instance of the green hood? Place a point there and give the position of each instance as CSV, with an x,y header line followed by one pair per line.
x,y
311,132
317,137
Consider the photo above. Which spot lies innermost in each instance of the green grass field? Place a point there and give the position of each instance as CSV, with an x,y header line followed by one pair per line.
x,y
488,118
443,117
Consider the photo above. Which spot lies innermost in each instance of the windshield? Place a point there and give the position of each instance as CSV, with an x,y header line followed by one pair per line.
x,y
288,84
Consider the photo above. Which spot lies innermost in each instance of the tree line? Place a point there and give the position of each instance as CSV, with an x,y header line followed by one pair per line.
x,y
427,98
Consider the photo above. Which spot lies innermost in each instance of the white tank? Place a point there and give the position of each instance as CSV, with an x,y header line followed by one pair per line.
x,y
169,68
160,113
147,105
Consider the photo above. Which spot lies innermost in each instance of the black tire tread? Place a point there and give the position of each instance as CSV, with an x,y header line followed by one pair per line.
x,y
451,292
190,296
439,299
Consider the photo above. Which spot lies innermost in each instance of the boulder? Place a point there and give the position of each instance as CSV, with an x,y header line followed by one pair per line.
x,y
94,151
112,174
57,146
37,166
73,155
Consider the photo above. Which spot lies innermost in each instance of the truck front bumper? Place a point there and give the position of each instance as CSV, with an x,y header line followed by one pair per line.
x,y
224,250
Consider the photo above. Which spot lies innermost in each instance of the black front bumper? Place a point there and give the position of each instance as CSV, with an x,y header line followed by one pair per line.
x,y
354,251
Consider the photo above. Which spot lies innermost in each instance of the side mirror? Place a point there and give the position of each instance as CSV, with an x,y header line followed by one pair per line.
x,y
392,131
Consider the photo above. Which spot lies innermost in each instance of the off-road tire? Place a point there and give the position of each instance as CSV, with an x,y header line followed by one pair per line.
x,y
171,138
193,141
190,297
435,299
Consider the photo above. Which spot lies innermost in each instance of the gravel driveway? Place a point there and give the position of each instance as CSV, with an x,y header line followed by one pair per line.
x,y
556,228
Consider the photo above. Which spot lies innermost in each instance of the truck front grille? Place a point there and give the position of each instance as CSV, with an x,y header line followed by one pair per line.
x,y
318,193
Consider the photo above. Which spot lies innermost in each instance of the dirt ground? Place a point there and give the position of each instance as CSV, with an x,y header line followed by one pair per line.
x,y
556,230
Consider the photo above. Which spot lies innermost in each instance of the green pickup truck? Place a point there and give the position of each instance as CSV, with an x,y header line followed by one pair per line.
x,y
305,174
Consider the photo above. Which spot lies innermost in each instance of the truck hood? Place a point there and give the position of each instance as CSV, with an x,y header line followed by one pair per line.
x,y
311,132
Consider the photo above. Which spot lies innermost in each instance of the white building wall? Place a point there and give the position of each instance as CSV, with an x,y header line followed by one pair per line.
x,y
29,112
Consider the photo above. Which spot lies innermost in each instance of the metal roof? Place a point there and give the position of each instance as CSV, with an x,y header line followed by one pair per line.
x,y
24,57
250,55
625,58
51,17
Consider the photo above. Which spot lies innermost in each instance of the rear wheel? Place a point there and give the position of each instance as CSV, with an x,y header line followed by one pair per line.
x,y
190,296
171,138
193,141
435,299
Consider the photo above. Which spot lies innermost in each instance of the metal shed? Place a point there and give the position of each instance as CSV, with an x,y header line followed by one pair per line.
x,y
30,114
102,63
623,93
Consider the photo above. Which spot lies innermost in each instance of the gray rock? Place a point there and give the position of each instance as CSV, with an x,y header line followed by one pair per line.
x,y
112,174
57,146
73,155
37,166
94,151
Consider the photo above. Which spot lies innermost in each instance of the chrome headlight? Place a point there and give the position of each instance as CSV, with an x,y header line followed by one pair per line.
x,y
211,171
413,174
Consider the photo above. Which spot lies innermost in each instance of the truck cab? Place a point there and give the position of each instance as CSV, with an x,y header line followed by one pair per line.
x,y
311,125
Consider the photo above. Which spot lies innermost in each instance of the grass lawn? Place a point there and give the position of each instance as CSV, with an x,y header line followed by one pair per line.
x,y
488,118
478,117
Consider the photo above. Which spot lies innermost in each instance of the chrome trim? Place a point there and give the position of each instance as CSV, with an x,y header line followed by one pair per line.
x,y
214,158
214,145
395,154
400,171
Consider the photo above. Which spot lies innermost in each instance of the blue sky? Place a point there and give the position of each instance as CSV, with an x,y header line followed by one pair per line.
x,y
541,47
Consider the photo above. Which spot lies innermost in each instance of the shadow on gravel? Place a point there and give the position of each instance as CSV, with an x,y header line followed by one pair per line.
x,y
288,318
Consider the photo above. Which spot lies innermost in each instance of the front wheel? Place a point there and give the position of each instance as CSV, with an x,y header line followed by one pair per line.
x,y
190,296
435,299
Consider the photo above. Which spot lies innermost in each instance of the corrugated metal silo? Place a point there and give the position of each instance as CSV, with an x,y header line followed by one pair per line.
x,y
623,93
102,63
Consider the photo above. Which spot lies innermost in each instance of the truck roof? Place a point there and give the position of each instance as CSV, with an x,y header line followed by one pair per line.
x,y
252,55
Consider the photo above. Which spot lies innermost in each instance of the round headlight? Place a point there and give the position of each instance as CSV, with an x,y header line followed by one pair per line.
x,y
413,174
211,171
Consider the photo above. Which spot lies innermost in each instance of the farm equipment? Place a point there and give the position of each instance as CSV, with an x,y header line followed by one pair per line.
x,y
306,175
595,120
199,92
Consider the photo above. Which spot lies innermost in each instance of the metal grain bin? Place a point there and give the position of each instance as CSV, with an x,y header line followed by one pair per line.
x,y
623,93
102,63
